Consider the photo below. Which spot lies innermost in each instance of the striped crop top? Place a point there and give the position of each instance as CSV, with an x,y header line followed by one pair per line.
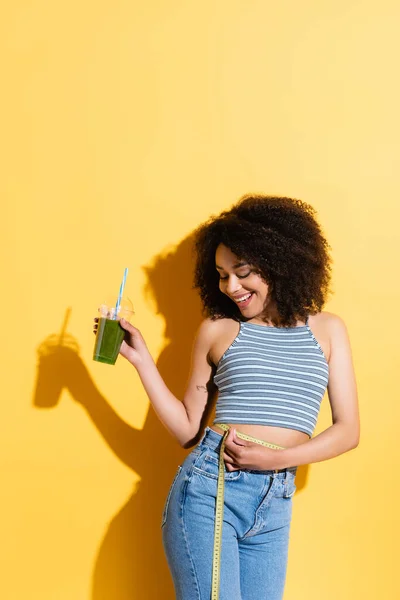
x,y
272,376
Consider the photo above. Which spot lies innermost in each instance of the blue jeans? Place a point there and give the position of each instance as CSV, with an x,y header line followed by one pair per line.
x,y
255,534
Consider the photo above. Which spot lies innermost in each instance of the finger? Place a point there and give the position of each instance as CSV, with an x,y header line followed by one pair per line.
x,y
230,439
96,319
231,468
231,450
236,452
232,460
239,441
233,440
127,326
228,459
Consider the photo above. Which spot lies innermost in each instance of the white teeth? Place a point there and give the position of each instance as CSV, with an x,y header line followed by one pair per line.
x,y
243,298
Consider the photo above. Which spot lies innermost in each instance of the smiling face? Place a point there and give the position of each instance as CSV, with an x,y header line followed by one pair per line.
x,y
238,280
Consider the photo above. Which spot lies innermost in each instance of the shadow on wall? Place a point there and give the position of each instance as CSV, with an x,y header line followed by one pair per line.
x,y
130,564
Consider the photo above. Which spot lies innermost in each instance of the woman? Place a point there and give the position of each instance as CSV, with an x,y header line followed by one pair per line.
x,y
269,352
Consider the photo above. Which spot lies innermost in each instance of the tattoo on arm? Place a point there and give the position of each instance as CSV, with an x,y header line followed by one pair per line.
x,y
202,388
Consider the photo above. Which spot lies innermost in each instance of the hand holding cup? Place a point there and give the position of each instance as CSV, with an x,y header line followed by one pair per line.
x,y
109,333
132,347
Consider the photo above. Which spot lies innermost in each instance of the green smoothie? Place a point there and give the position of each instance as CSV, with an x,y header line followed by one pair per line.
x,y
108,341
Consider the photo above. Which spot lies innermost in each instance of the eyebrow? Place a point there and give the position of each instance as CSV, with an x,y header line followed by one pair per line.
x,y
240,264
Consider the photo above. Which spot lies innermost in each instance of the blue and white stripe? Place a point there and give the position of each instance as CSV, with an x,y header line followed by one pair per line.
x,y
272,376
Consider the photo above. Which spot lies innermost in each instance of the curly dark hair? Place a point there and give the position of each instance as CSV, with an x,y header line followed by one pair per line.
x,y
283,242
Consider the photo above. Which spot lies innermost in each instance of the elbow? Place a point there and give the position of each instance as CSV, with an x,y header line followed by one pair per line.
x,y
184,441
350,434
191,438
189,443
354,440
187,439
355,443
352,445
356,436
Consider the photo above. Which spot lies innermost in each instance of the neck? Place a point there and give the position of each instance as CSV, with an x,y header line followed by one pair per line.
x,y
270,316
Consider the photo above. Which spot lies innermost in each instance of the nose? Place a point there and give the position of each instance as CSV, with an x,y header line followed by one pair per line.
x,y
233,285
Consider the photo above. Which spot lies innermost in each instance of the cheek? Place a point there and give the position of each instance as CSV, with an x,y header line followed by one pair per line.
x,y
263,289
259,285
266,288
266,291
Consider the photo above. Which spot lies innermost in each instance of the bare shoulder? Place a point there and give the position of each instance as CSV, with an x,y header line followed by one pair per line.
x,y
211,329
338,333
327,321
218,335
330,331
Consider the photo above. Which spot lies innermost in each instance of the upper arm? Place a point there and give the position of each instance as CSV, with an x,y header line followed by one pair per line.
x,y
342,387
200,390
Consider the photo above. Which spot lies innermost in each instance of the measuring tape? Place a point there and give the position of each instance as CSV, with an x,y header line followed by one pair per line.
x,y
219,505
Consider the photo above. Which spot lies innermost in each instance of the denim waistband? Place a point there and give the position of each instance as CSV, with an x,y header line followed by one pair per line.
x,y
213,440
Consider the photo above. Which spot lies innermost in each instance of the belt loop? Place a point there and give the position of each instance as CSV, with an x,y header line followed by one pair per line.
x,y
203,437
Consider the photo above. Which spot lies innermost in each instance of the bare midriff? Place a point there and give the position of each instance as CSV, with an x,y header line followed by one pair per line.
x,y
281,436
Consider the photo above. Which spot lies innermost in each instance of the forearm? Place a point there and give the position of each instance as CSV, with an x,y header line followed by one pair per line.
x,y
332,442
169,409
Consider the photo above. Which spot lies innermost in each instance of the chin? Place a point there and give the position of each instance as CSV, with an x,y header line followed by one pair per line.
x,y
251,315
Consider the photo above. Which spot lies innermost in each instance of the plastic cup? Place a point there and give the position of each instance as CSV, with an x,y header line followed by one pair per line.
x,y
110,334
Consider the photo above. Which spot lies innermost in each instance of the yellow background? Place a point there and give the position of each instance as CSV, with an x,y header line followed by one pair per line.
x,y
124,125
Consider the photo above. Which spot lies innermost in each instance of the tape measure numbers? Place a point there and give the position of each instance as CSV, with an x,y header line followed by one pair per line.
x,y
219,505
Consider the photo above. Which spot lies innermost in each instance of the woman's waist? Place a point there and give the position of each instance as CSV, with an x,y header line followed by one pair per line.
x,y
212,441
281,436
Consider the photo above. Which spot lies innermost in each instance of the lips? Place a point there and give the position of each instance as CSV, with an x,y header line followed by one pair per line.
x,y
242,298
245,302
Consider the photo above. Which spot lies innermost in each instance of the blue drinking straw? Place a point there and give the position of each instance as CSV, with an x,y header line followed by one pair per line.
x,y
121,291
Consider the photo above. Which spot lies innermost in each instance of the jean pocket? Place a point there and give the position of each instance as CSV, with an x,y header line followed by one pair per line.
x,y
166,505
289,486
207,465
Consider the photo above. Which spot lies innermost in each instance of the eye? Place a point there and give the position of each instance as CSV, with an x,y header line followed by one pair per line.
x,y
239,276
